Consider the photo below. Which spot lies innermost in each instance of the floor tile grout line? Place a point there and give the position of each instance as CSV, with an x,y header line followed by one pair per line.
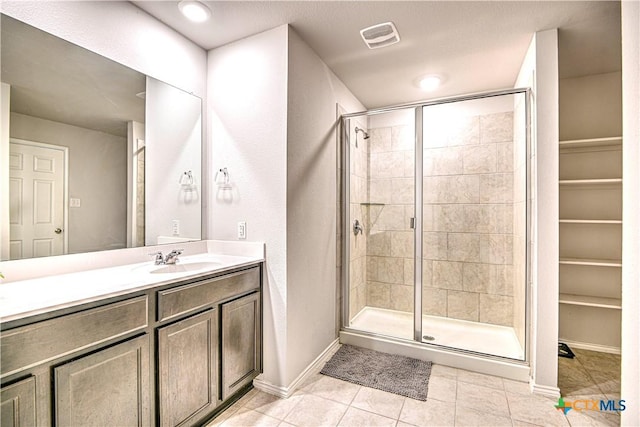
x,y
375,413
404,401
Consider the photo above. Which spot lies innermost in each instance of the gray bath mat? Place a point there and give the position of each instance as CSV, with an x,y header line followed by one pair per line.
x,y
388,372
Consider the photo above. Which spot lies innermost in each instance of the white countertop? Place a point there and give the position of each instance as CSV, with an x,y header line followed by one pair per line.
x,y
24,298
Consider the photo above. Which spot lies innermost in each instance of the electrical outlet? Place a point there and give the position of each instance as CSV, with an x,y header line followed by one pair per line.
x,y
175,227
242,230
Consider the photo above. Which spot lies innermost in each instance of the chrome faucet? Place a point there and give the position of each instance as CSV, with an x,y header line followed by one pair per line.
x,y
172,257
159,259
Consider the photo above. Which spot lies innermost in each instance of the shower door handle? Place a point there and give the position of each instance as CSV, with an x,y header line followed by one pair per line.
x,y
412,223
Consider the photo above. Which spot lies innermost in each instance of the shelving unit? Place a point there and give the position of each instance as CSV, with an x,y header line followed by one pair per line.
x,y
588,301
591,242
591,262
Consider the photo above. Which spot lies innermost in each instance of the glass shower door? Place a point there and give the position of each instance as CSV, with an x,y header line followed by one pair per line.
x,y
473,225
381,209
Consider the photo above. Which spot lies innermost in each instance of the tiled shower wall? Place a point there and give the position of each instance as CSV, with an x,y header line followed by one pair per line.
x,y
391,194
468,258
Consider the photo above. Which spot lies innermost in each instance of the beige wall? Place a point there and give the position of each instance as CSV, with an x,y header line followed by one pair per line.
x,y
590,106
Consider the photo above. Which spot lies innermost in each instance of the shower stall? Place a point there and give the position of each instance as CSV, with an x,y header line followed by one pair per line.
x,y
435,227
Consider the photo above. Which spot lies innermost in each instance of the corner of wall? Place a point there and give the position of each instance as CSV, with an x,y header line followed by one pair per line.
x,y
5,91
630,389
545,251
247,131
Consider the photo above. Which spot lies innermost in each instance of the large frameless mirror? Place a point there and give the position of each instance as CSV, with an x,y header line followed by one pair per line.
x,y
99,156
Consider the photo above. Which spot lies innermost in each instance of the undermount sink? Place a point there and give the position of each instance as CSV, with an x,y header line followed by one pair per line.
x,y
180,267
184,267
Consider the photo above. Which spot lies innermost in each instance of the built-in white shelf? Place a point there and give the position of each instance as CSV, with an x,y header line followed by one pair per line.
x,y
592,262
590,221
605,181
590,301
594,142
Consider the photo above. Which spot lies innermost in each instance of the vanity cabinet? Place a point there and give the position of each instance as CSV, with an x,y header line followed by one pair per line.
x,y
187,368
109,387
172,355
87,363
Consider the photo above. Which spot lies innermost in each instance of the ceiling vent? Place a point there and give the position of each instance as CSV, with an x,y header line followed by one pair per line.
x,y
380,35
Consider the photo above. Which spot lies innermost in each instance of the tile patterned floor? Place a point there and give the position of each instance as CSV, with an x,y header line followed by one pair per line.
x,y
590,375
456,398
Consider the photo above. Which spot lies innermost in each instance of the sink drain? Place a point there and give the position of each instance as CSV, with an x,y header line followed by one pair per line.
x,y
428,338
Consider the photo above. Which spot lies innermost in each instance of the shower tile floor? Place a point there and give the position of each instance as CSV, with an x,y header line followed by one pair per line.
x,y
473,336
456,398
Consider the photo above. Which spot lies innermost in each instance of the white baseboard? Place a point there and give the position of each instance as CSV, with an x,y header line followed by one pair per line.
x,y
544,390
592,347
285,392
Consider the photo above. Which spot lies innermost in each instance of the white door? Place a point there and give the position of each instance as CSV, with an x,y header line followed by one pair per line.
x,y
36,193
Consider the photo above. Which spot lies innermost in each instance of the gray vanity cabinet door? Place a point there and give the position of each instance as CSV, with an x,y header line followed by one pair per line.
x,y
187,368
240,343
19,404
106,388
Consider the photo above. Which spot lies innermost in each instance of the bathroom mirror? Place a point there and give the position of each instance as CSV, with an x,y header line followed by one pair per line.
x,y
98,156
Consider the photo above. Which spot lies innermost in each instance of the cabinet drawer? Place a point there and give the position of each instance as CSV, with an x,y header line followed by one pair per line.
x,y
31,345
177,301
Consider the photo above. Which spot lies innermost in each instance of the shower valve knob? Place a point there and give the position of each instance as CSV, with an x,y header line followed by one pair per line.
x,y
357,228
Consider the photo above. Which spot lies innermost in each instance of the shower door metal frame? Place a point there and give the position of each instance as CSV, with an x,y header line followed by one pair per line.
x,y
418,211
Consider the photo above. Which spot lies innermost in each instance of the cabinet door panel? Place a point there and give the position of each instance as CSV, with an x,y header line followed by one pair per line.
x,y
240,343
110,387
19,404
187,355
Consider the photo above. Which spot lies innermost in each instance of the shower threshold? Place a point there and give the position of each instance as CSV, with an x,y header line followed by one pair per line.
x,y
460,334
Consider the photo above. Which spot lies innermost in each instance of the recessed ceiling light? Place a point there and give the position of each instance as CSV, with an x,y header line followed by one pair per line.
x,y
194,10
429,83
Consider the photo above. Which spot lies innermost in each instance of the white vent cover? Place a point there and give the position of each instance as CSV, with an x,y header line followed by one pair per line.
x,y
380,35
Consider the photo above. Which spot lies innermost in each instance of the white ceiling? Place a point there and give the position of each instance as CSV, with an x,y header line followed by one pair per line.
x,y
474,46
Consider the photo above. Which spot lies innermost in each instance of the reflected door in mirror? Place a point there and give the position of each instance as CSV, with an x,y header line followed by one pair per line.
x,y
36,192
